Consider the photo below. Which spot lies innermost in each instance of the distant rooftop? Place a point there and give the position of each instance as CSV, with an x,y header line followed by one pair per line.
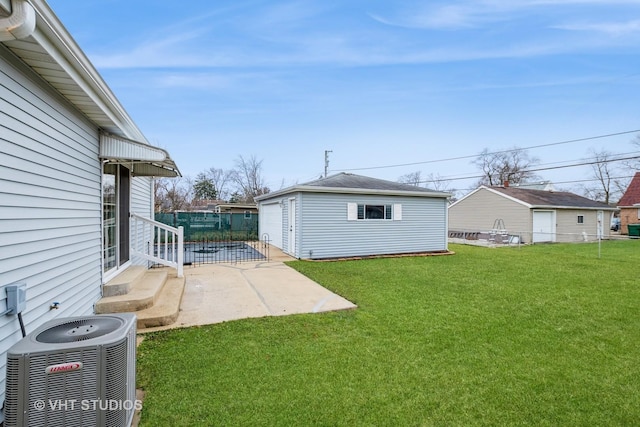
x,y
632,195
549,198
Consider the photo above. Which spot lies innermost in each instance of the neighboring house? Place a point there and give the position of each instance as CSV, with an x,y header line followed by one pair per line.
x,y
73,166
347,215
220,206
629,205
532,215
247,209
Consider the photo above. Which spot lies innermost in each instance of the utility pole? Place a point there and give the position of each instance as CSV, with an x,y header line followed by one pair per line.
x,y
326,161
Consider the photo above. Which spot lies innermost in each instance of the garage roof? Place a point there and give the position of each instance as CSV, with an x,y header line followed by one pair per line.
x,y
348,183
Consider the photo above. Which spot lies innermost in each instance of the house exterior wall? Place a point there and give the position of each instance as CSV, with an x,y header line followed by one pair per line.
x,y
628,215
141,204
479,211
50,203
569,230
324,230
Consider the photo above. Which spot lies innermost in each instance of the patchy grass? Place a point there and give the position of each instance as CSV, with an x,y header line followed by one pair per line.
x,y
541,335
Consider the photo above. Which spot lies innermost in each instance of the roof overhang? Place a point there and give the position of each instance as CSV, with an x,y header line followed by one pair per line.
x,y
142,159
582,208
42,42
344,190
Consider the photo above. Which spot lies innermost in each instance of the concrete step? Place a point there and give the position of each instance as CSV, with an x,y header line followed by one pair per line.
x,y
122,283
167,306
143,294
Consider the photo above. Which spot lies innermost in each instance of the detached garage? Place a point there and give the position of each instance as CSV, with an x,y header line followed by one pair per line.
x,y
347,215
533,216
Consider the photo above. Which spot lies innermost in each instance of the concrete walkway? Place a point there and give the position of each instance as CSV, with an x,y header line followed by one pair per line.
x,y
217,293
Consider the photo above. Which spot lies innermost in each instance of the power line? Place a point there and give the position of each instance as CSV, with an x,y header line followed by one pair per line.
x,y
554,183
583,163
491,153
565,163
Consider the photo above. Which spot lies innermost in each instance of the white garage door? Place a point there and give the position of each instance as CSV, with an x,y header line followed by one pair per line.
x,y
544,226
270,222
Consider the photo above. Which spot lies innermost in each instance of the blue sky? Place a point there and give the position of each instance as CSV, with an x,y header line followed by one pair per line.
x,y
379,83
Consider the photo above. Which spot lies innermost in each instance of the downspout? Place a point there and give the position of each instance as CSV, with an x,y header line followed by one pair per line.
x,y
20,24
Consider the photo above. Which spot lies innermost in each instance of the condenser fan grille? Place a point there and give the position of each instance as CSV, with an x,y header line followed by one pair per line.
x,y
79,330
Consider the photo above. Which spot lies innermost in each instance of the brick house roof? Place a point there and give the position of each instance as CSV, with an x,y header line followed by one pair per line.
x,y
632,195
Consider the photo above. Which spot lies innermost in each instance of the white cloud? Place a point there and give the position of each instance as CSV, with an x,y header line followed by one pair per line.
x,y
298,34
609,28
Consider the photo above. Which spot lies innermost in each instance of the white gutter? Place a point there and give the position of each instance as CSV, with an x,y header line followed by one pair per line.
x,y
20,24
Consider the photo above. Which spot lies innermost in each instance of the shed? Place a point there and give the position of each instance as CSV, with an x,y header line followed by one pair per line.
x,y
73,167
533,215
348,215
629,205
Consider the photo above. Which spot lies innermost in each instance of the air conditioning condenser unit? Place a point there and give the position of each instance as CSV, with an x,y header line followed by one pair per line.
x,y
74,371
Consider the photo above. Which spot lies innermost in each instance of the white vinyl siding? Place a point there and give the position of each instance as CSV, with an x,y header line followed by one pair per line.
x,y
50,203
325,228
141,204
569,230
479,212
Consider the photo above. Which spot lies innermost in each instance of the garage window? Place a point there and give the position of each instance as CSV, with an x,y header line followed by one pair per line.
x,y
358,211
374,211
580,219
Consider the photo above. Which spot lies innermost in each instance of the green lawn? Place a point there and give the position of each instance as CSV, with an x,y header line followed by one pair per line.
x,y
539,335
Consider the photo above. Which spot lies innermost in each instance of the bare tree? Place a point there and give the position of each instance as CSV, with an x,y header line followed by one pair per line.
x,y
213,183
172,194
413,178
247,176
634,163
221,179
505,166
438,183
608,184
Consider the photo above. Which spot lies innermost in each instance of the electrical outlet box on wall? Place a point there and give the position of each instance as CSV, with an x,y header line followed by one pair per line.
x,y
16,297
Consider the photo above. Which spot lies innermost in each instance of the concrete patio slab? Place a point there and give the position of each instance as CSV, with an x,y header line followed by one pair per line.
x,y
217,293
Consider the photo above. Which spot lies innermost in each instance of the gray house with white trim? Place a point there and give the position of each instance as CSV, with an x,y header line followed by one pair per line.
x,y
73,168
348,215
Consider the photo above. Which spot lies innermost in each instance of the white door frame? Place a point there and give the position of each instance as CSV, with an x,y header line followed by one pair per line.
x,y
291,236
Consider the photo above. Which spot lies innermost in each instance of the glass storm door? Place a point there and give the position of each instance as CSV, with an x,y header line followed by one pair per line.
x,y
115,216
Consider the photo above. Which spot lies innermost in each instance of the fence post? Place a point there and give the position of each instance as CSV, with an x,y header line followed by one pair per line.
x,y
180,251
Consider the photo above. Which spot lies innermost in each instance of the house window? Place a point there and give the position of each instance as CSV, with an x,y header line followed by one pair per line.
x,y
374,211
247,214
580,219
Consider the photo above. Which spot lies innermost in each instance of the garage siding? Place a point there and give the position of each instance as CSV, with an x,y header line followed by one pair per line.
x,y
325,232
479,211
